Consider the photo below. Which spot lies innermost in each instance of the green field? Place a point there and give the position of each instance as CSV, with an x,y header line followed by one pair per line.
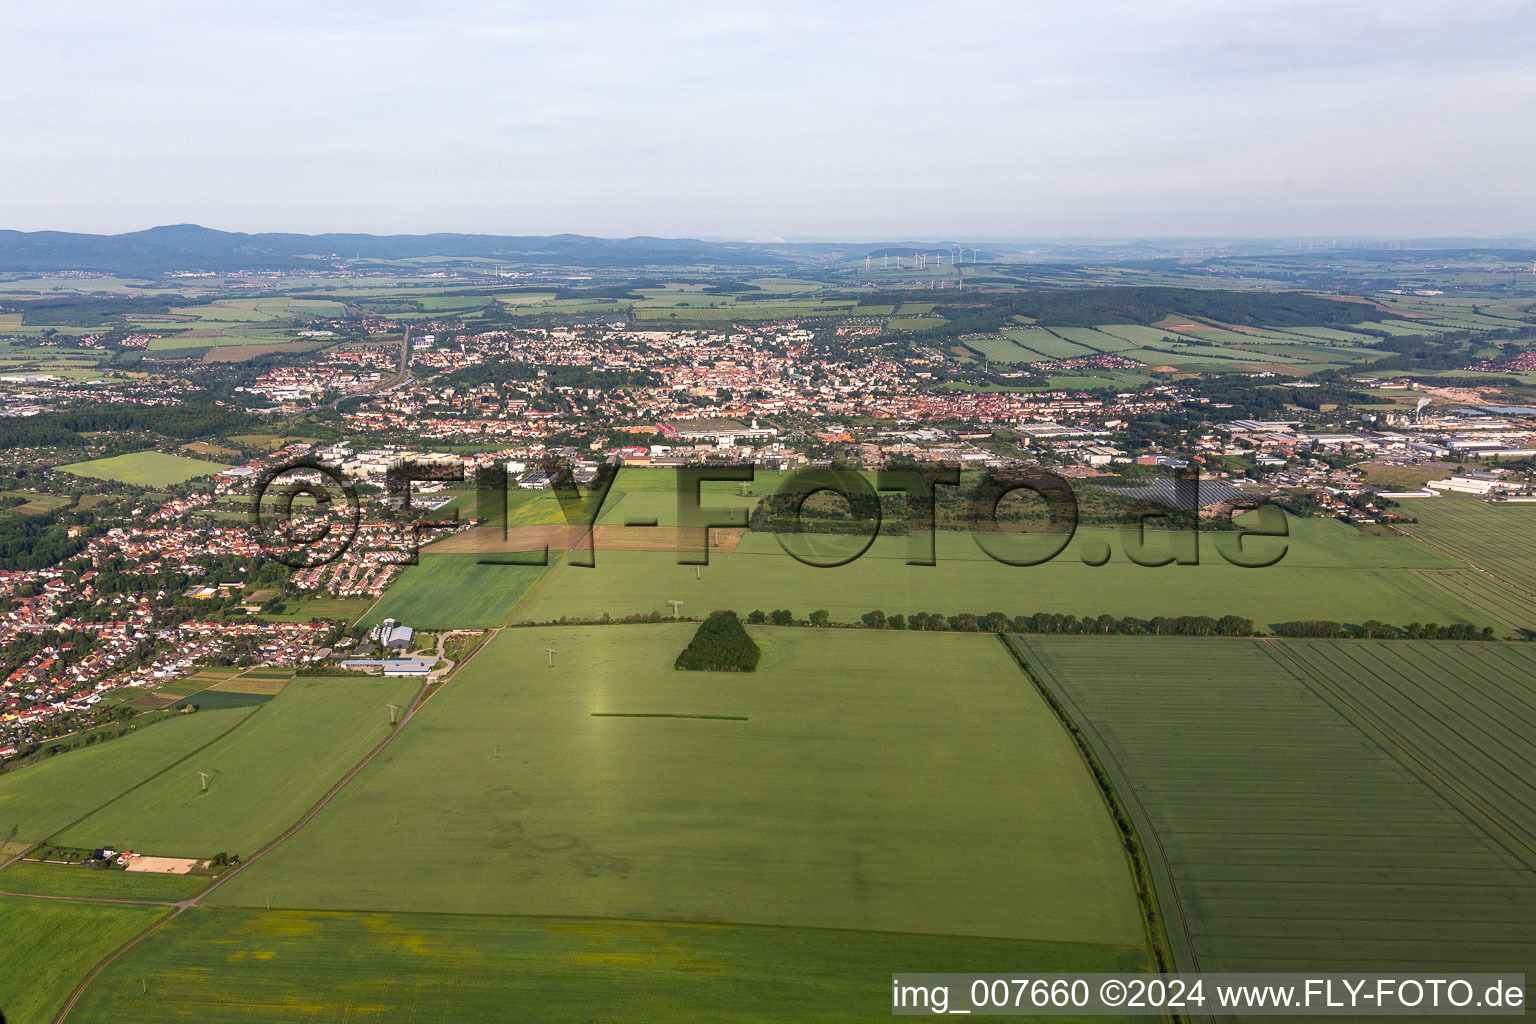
x,y
232,336
1330,571
37,504
1290,813
454,591
305,965
1048,345
1093,337
62,880
1482,535
59,943
1100,380
320,606
1136,334
856,793
38,800
640,495
1465,714
1000,350
145,469
263,775
915,323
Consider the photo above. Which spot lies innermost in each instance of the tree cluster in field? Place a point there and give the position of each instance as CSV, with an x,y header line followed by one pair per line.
x,y
720,645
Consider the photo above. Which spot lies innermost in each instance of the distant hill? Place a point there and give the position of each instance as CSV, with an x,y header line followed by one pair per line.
x,y
190,247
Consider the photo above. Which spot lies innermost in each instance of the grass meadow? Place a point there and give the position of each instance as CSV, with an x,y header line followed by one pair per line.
x,y
882,782
1290,828
263,775
145,469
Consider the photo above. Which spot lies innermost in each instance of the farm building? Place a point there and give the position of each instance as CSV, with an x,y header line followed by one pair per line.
x,y
390,666
392,636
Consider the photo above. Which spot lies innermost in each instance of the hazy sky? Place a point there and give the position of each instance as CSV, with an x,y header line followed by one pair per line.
x,y
946,118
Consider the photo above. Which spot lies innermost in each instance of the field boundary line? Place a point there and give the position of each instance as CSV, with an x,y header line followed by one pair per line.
x,y
1142,872
528,594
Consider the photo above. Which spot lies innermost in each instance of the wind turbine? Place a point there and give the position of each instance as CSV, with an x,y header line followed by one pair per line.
x,y
676,605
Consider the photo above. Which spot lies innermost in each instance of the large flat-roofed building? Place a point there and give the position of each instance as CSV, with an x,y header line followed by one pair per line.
x,y
1475,483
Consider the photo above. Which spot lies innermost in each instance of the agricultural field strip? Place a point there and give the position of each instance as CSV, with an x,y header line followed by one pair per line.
x,y
420,698
423,967
1479,744
1048,344
1180,939
1001,350
1229,345
162,772
237,714
1092,338
456,591
1463,530
1331,828
567,881
58,941
26,878
1514,608
1137,335
1328,573
312,732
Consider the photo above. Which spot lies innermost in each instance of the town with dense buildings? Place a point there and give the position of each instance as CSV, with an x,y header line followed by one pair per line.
x,y
153,580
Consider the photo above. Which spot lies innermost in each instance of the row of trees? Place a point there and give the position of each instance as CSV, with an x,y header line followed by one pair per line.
x,y
1110,625
1372,628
